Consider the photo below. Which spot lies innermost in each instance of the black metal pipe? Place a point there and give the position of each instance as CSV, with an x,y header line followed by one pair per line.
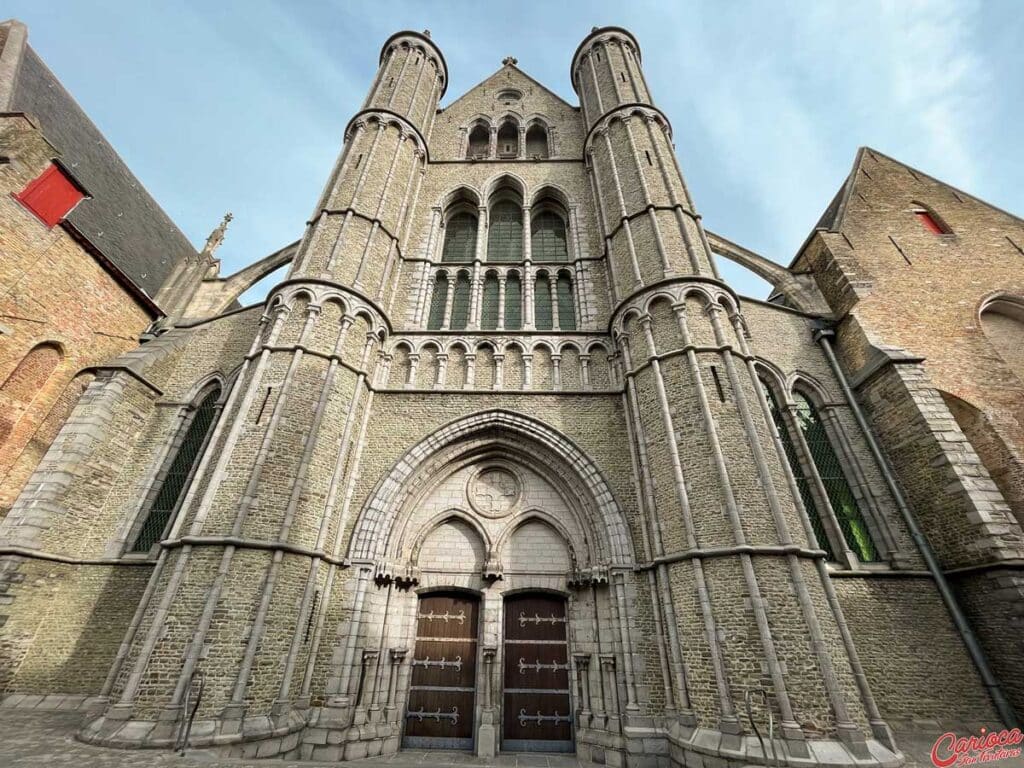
x,y
963,626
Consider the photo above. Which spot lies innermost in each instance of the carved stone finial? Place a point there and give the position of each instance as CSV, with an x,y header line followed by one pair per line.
x,y
509,61
217,236
426,33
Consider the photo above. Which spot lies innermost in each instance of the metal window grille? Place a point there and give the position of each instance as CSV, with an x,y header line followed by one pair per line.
x,y
547,238
460,238
178,474
803,484
830,470
437,303
542,304
505,234
566,308
460,303
489,304
513,303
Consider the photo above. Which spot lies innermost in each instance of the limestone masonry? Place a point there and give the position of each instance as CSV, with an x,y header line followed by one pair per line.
x,y
502,463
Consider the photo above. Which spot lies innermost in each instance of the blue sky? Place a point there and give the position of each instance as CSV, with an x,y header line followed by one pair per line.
x,y
240,106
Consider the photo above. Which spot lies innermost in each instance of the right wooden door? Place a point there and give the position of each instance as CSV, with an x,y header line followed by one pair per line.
x,y
537,710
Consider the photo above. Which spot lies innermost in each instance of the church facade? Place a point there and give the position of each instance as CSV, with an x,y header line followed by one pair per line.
x,y
503,464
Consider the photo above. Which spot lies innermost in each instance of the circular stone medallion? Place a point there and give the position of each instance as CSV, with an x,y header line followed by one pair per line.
x,y
493,491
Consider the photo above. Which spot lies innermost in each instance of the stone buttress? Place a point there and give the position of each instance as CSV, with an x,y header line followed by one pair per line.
x,y
752,620
257,546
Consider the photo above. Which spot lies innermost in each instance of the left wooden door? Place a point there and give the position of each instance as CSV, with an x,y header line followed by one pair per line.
x,y
442,692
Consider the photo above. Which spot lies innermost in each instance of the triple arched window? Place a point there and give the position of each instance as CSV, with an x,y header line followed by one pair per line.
x,y
832,507
174,478
510,141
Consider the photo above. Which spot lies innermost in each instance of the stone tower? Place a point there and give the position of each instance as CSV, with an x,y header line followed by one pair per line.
x,y
281,455
725,522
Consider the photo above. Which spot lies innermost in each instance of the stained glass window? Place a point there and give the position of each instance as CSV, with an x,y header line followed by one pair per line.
x,y
460,238
489,303
513,303
566,310
830,470
437,303
547,238
803,483
460,303
176,478
505,234
542,303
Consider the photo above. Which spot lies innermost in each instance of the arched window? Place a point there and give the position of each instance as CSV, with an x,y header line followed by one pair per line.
x,y
505,234
930,220
489,303
460,303
837,488
566,308
542,317
508,140
803,483
547,237
460,238
438,301
175,478
513,302
537,142
479,143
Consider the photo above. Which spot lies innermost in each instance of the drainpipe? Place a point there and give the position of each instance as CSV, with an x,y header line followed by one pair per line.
x,y
1003,707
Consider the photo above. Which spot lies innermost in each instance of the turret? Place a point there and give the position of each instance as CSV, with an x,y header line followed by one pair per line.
x,y
355,233
650,226
725,522
262,526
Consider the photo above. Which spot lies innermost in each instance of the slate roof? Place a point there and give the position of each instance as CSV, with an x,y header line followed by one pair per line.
x,y
122,220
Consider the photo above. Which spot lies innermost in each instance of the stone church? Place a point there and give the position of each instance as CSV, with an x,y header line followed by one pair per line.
x,y
503,464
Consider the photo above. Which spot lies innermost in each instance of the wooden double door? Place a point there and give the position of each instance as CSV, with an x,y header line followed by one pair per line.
x,y
536,711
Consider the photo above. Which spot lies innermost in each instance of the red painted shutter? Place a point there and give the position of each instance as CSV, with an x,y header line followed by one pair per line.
x,y
929,222
51,195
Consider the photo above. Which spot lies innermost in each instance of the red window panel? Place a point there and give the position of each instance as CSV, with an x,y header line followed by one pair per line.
x,y
928,222
51,195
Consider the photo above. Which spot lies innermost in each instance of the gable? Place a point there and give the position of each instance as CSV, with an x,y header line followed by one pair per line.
x,y
484,101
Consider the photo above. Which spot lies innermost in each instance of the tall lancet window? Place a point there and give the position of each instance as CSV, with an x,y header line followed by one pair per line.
x,y
460,303
176,476
460,238
513,302
803,482
547,236
837,488
505,235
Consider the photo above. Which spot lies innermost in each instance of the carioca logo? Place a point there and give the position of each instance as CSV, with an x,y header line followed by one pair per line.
x,y
950,749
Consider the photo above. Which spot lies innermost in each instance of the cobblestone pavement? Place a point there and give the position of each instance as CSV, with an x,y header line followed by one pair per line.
x,y
38,739
30,738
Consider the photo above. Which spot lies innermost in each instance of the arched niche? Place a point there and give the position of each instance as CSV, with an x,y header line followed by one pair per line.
x,y
1002,322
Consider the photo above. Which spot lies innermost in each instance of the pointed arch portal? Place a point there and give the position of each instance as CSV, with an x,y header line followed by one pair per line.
x,y
491,551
